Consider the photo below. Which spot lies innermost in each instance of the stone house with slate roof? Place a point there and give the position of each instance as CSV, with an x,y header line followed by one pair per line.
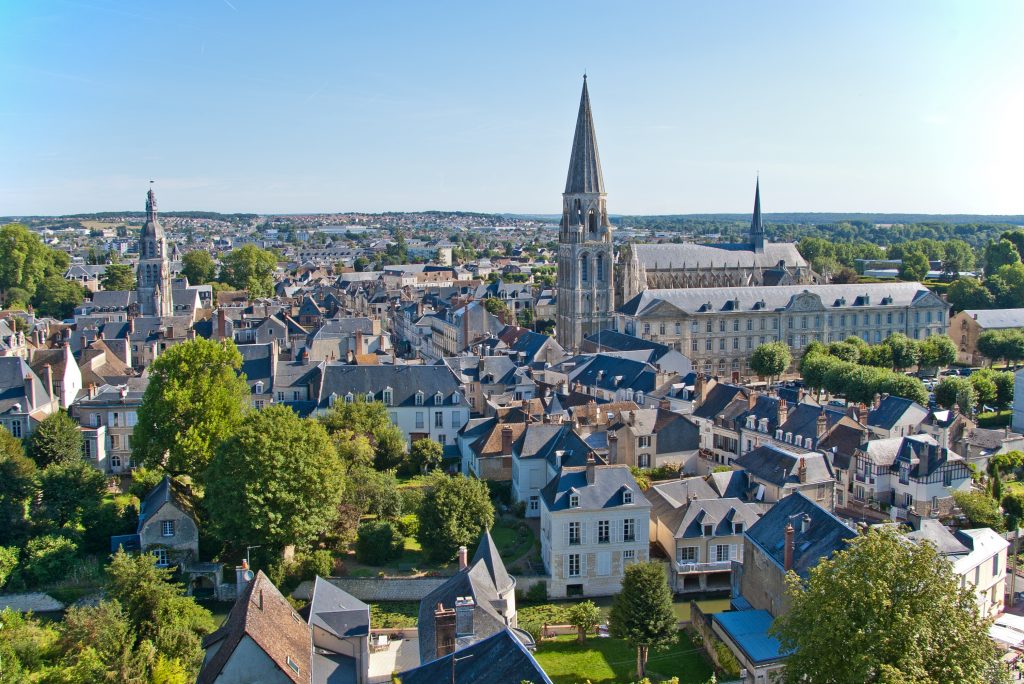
x,y
652,437
700,532
475,603
774,474
594,522
498,659
892,416
538,455
24,400
966,326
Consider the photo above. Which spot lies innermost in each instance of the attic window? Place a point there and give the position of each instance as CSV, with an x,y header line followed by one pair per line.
x,y
295,616
750,421
574,500
419,398
292,664
331,399
627,496
455,398
789,437
349,398
737,528
640,398
389,396
762,425
259,387
369,397
709,530
778,435
438,399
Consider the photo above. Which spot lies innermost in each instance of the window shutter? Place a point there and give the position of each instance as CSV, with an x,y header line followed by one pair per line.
x,y
583,533
732,552
565,529
565,566
583,565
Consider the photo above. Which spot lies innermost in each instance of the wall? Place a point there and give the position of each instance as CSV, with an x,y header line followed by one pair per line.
x,y
379,589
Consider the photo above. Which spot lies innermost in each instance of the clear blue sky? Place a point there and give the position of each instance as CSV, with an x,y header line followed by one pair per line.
x,y
289,106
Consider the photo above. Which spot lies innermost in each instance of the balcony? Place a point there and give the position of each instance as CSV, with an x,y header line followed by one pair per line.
x,y
688,568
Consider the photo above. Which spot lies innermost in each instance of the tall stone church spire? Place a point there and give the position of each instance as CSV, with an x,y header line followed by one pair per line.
x,y
585,254
756,228
153,276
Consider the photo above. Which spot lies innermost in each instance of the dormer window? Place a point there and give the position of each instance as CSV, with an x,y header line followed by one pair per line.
x,y
708,529
332,399
389,396
627,496
438,399
419,398
737,528
349,398
574,500
762,425
750,422
778,435
789,437
455,398
259,387
369,397
640,398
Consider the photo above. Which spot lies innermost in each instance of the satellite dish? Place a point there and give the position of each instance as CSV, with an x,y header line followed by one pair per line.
x,y
248,575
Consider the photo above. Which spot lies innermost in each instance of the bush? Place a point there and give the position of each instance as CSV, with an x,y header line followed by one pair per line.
x,y
319,563
47,558
377,542
726,659
8,562
538,593
411,498
409,525
143,480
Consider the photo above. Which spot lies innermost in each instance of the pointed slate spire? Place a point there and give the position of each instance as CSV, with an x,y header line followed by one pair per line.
x,y
488,553
756,227
585,163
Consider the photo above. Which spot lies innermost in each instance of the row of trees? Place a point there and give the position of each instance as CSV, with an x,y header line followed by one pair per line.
x,y
1003,284
246,268
976,391
1007,345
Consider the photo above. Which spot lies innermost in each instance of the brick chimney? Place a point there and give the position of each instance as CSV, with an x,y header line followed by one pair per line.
x,y
822,424
787,554
444,630
359,342
222,318
783,411
698,390
862,414
802,469
463,558
591,470
751,400
506,440
613,447
30,393
665,405
48,380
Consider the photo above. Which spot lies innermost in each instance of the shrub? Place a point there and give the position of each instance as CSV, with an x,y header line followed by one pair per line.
x,y
538,593
726,659
320,562
377,542
47,558
8,561
411,498
409,525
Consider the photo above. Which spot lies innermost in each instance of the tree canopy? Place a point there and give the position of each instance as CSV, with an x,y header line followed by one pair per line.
x,y
641,612
883,610
198,267
455,512
27,261
250,268
118,277
771,359
276,481
369,419
56,439
57,298
194,400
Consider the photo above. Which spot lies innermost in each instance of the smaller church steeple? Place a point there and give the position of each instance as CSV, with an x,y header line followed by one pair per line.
x,y
150,205
756,227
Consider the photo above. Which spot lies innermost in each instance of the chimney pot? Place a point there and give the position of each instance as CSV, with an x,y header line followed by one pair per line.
x,y
463,558
787,558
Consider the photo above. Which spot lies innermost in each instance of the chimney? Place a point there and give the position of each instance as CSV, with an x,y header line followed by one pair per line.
x,y
464,616
48,380
877,402
862,414
131,325
463,558
751,400
800,394
242,577
802,469
221,324
359,342
591,470
665,405
783,411
698,389
787,557
444,630
506,440
30,393
613,447
805,523
822,424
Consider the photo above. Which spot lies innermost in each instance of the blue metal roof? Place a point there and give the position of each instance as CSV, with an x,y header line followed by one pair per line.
x,y
748,629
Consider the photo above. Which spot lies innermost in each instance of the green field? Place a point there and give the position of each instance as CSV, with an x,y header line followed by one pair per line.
x,y
611,661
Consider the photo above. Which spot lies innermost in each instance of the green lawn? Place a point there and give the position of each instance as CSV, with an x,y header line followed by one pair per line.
x,y
612,661
394,614
995,419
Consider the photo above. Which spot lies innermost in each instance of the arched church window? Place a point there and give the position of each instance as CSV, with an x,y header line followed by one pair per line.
x,y
584,268
600,268
592,221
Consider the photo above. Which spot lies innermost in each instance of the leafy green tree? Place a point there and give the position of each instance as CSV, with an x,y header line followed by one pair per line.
x,y
1000,253
844,351
250,268
958,257
198,267
981,509
157,608
18,488
27,261
642,613
968,293
371,420
378,542
195,399
952,390
904,351
1017,238
881,598
118,277
8,562
914,266
354,450
771,359
984,389
361,264
47,559
500,308
583,616
425,454
455,512
937,351
1004,389
99,644
1007,285
57,298
276,481
56,439
17,299
372,492
71,493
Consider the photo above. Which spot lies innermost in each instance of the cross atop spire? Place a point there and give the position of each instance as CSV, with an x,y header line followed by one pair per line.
x,y
756,227
585,164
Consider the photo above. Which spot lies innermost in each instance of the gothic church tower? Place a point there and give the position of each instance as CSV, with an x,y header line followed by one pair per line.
x,y
585,255
153,276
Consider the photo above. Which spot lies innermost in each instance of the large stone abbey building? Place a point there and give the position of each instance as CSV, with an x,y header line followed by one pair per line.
x,y
588,283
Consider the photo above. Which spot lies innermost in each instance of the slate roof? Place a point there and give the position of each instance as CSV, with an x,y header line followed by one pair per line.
x,y
780,467
336,611
694,300
825,535
13,371
729,484
257,364
718,397
405,382
544,440
893,410
477,580
166,491
676,433
266,617
613,373
499,658
994,319
613,340
606,491
584,163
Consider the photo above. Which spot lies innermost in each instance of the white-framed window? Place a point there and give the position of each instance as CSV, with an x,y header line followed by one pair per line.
x,y
574,500
737,528
419,398
629,530
166,528
627,496
350,398
438,419
259,387
419,420
721,552
162,560
389,396
574,533
574,565
16,428
603,532
534,503
369,397
293,665
687,554
643,442
628,556
115,461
